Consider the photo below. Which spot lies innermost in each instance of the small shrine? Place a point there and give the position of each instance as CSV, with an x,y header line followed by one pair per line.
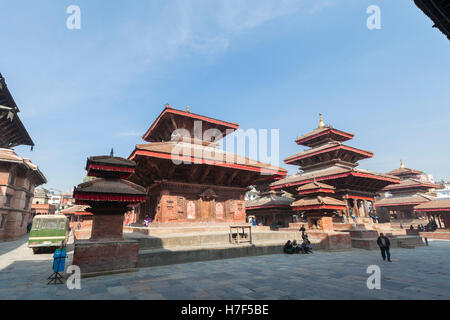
x,y
109,197
318,205
271,207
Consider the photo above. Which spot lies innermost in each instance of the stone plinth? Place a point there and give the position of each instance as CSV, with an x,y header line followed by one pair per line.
x,y
364,234
106,256
332,241
323,223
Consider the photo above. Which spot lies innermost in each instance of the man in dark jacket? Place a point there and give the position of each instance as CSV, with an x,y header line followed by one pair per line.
x,y
384,244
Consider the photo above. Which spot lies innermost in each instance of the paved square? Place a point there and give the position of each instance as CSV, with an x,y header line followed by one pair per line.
x,y
421,273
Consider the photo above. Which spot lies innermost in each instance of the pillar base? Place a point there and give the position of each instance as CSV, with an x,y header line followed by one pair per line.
x,y
105,256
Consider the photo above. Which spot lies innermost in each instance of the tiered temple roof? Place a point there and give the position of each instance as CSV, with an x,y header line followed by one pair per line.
x,y
12,130
329,160
109,186
413,190
315,196
412,181
409,200
434,206
181,150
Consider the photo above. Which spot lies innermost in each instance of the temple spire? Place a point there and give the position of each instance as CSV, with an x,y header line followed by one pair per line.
x,y
321,123
402,166
187,109
112,153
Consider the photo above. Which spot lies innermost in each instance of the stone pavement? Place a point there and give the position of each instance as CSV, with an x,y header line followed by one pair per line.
x,y
421,273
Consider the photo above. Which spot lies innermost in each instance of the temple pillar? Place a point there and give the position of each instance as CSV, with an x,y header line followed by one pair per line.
x,y
355,208
366,213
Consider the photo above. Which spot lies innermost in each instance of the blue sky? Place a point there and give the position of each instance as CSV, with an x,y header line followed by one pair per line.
x,y
263,64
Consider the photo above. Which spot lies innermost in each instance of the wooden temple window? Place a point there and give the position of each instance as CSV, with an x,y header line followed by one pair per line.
x,y
12,177
27,202
8,200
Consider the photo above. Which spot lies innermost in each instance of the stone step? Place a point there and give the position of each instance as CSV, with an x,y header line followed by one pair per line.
x,y
205,239
160,257
162,230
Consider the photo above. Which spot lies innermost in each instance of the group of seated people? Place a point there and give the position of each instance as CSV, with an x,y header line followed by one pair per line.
x,y
292,247
430,227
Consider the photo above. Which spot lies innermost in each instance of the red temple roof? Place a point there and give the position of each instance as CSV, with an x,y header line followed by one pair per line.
x,y
172,119
79,210
332,173
434,206
318,202
404,201
404,171
315,187
101,166
411,184
337,150
199,154
108,190
324,133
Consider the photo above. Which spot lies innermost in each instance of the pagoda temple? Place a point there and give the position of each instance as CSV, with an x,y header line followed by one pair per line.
x,y
188,179
328,160
414,189
318,205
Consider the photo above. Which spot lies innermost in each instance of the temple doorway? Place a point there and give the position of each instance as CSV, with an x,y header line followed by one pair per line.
x,y
206,210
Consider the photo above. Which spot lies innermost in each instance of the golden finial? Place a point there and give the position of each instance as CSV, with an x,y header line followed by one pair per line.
x,y
187,109
402,166
321,123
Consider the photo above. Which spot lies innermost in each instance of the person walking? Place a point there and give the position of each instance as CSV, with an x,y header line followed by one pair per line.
x,y
29,226
384,244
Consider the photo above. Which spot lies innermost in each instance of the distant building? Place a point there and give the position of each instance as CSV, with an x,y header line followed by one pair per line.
x,y
40,196
18,176
398,201
55,200
443,192
42,209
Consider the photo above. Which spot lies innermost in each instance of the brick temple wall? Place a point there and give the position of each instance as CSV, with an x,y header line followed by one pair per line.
x,y
183,203
105,256
16,194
